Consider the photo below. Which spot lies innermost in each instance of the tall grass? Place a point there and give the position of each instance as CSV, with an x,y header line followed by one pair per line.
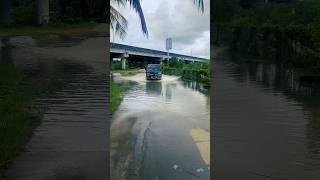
x,y
116,94
18,113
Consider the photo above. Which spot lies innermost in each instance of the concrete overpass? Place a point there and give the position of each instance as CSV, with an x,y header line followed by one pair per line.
x,y
135,53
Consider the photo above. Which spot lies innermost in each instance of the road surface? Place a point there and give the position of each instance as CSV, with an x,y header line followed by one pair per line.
x,y
170,137
71,143
265,124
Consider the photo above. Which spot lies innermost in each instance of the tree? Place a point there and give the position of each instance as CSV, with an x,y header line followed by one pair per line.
x,y
42,12
5,7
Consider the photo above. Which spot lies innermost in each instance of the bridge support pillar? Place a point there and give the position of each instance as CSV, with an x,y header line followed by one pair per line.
x,y
123,62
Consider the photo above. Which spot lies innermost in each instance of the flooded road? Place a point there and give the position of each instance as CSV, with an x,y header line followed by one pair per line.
x,y
71,142
170,136
265,124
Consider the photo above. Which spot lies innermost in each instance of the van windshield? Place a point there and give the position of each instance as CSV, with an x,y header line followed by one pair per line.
x,y
153,67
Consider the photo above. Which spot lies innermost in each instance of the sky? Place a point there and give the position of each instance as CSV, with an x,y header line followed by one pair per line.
x,y
179,19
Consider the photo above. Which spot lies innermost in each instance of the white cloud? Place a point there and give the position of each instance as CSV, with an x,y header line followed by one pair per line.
x,y
180,19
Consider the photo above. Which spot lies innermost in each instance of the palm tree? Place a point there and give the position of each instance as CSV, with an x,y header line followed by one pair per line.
x,y
119,23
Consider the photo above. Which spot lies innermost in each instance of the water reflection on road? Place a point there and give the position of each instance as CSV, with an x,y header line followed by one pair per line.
x,y
71,141
266,124
166,112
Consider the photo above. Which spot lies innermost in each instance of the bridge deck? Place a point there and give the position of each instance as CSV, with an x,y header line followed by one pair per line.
x,y
152,51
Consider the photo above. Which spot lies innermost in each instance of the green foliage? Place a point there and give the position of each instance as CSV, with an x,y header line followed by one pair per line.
x,y
116,65
189,71
175,63
136,64
282,32
224,10
24,12
126,72
18,115
307,12
197,71
116,94
75,11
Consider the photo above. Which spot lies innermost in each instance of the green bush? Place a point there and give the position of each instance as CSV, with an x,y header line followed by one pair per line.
x,y
189,71
24,12
116,65
285,33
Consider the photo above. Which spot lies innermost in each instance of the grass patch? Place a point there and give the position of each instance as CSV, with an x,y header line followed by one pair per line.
x,y
120,153
49,33
59,28
127,72
19,115
116,94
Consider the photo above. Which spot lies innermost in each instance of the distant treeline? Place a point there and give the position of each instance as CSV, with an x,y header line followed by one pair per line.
x,y
284,31
69,11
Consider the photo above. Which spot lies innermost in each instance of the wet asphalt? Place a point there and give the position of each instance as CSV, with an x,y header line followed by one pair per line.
x,y
165,112
265,124
71,142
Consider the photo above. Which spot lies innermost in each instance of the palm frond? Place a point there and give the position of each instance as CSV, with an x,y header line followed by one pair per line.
x,y
118,23
200,4
135,4
120,2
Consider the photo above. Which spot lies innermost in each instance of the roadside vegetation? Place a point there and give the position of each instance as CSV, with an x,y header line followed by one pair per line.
x,y
285,32
62,19
46,12
18,110
52,33
117,91
131,69
120,149
127,72
188,71
54,28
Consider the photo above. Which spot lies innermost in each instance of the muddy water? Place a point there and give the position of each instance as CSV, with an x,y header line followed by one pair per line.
x,y
165,113
71,142
266,125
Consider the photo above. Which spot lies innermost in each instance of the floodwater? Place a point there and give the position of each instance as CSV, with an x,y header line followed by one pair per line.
x,y
71,142
266,125
170,137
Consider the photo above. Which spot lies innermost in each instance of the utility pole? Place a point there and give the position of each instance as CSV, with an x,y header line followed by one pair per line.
x,y
168,46
113,35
